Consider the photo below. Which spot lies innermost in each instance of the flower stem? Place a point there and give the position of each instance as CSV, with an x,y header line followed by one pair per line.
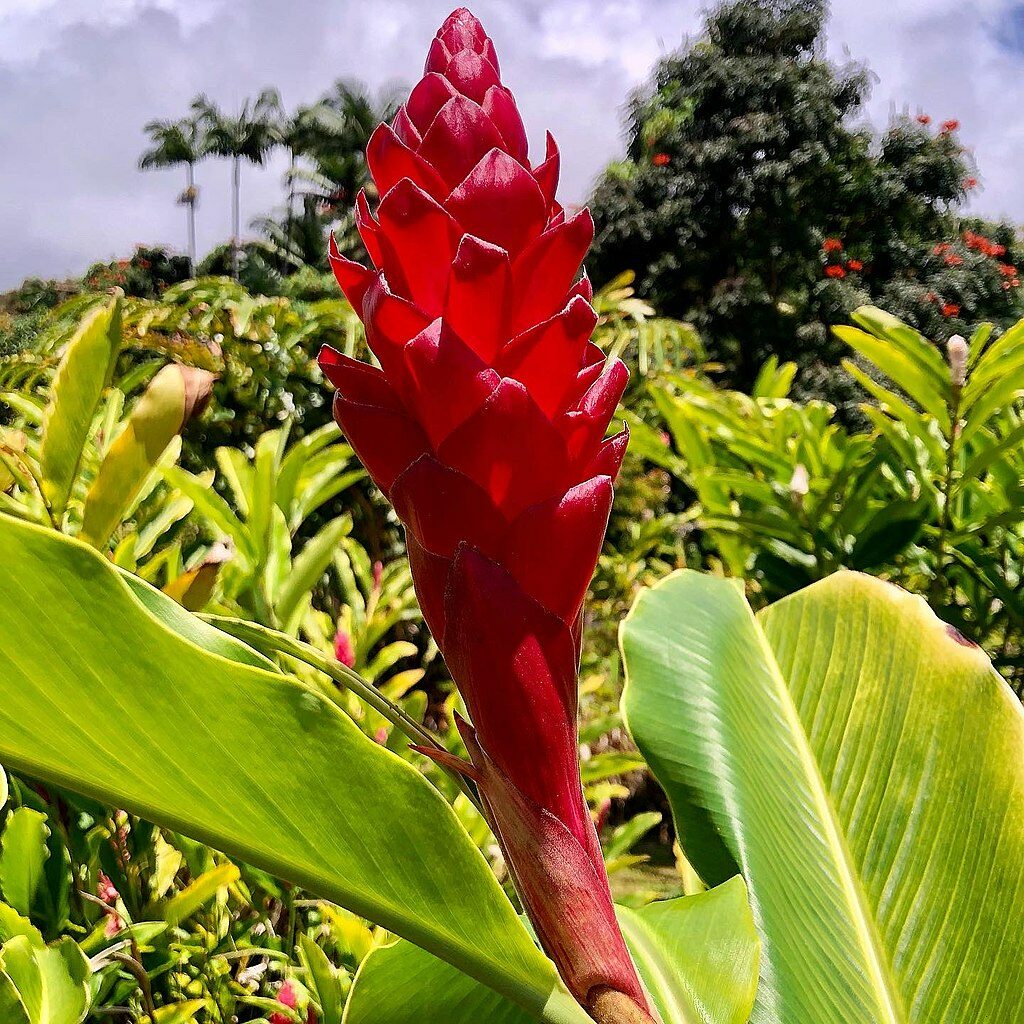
x,y
263,638
610,1007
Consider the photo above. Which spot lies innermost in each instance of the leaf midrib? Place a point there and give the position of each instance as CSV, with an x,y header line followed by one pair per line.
x,y
879,973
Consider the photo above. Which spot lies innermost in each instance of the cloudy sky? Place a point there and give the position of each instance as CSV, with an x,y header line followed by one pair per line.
x,y
79,78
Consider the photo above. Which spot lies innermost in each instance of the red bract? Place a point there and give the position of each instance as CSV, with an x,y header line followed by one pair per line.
x,y
286,997
485,426
344,651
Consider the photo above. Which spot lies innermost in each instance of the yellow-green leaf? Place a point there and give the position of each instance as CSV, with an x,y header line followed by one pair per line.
x,y
862,765
75,394
173,396
181,907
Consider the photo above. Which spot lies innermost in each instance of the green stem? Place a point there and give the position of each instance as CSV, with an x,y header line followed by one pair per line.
x,y
262,637
946,518
22,461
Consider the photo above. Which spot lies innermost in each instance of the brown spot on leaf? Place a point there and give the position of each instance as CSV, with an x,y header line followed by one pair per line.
x,y
955,634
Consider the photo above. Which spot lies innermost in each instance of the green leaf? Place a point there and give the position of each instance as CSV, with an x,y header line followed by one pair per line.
x,y
327,982
236,469
402,984
12,1009
248,761
179,1013
51,980
629,833
208,503
903,370
697,955
203,889
307,568
890,531
156,419
864,768
23,856
911,343
74,397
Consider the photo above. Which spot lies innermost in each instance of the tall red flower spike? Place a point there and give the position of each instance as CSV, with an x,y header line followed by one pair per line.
x,y
485,427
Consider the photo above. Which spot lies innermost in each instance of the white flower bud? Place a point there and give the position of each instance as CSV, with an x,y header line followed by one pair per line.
x,y
800,483
958,350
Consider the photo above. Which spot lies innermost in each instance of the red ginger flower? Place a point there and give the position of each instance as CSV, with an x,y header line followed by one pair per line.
x,y
832,245
835,270
485,427
854,265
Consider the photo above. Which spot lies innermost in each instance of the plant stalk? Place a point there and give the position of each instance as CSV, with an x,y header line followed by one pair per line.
x,y
610,1007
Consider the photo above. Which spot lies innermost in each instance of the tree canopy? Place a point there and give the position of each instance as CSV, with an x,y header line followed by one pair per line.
x,y
755,200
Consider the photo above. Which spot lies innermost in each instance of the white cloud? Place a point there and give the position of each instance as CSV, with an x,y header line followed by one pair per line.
x,y
79,78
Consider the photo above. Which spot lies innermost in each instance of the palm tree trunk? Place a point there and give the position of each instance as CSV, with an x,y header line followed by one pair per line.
x,y
192,215
236,230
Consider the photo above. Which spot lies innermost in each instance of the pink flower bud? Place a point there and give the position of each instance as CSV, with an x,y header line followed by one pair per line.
x,y
343,649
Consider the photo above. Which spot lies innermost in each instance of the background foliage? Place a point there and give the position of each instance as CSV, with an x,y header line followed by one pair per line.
x,y
783,427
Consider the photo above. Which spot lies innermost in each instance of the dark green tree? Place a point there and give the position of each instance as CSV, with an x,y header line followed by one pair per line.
x,y
751,202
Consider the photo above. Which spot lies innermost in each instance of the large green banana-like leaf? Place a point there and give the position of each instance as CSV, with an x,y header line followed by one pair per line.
x,y
697,956
863,766
97,694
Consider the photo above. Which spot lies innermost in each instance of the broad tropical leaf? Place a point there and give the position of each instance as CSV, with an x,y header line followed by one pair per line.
x,y
863,766
98,695
697,956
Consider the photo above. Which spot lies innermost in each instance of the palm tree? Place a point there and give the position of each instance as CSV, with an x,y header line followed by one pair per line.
x,y
300,134
346,118
248,135
178,142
